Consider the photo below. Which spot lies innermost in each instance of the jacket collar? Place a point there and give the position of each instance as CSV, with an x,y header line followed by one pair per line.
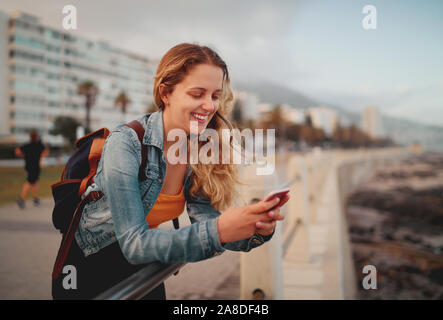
x,y
154,132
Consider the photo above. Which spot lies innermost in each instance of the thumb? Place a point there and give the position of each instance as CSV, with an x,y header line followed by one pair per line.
x,y
264,206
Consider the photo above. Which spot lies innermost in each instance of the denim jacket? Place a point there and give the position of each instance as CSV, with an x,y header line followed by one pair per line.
x,y
121,213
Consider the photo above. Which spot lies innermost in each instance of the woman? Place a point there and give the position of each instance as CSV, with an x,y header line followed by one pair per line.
x,y
117,233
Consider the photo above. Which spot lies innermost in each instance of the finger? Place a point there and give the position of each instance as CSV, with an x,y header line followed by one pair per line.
x,y
275,214
263,206
264,217
265,227
282,202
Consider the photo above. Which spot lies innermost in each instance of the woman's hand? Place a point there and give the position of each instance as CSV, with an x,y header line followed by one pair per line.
x,y
238,223
265,228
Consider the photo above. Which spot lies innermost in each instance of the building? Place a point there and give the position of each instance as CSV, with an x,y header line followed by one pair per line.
x,y
372,122
249,103
295,116
40,68
323,118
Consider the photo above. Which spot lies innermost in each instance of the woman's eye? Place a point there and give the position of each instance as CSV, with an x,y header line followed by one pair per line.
x,y
197,96
216,97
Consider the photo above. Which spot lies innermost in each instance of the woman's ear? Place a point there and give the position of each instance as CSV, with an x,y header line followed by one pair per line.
x,y
164,94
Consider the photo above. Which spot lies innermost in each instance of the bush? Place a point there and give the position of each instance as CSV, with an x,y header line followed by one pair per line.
x,y
7,151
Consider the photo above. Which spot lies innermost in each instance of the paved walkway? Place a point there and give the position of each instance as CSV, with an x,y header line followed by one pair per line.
x,y
28,246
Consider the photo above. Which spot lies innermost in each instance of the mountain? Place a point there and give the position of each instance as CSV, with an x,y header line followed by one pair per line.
x,y
400,130
271,93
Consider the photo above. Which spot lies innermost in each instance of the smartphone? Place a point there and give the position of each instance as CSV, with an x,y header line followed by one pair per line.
x,y
279,193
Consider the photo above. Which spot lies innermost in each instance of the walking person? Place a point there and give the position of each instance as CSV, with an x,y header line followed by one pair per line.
x,y
32,152
117,233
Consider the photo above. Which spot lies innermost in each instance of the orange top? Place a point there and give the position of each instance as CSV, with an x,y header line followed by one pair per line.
x,y
166,208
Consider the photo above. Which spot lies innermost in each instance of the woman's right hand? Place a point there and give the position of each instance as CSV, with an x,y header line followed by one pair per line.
x,y
238,223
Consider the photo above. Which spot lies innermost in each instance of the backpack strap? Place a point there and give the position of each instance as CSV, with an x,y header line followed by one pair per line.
x,y
138,128
70,234
140,131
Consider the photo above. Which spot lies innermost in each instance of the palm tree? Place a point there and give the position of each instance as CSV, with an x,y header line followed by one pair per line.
x,y
237,113
277,121
122,101
89,90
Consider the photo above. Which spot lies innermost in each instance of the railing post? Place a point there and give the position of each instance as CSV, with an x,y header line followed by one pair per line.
x,y
311,183
299,210
261,269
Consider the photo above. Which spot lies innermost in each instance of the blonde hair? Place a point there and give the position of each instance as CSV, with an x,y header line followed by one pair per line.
x,y
215,181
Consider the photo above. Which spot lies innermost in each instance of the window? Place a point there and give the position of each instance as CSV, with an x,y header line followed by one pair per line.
x,y
52,62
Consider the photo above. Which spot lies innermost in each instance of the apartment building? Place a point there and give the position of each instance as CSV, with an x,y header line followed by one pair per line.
x,y
323,118
372,122
40,68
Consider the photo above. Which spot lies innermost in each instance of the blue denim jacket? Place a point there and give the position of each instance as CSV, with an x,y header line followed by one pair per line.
x,y
121,213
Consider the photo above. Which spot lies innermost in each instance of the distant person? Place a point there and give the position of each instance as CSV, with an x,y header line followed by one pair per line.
x,y
32,152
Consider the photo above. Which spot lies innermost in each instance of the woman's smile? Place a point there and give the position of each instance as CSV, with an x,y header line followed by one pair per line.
x,y
200,117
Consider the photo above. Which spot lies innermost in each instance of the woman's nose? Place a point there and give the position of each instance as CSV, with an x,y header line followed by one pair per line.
x,y
209,105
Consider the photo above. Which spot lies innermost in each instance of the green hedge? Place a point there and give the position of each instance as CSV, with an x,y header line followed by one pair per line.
x,y
7,151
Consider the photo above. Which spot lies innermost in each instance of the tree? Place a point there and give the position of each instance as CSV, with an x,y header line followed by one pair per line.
x,y
308,120
237,113
90,91
67,127
278,121
122,101
293,132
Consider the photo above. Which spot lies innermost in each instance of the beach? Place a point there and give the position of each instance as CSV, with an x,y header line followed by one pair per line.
x,y
395,222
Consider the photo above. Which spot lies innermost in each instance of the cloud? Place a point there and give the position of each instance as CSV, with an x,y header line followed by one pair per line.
x,y
255,38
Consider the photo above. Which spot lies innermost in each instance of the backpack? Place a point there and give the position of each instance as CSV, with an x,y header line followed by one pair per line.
x,y
78,174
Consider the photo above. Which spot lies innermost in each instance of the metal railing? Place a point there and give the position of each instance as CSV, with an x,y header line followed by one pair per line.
x,y
141,283
290,236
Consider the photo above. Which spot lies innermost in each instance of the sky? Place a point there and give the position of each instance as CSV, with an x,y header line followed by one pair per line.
x,y
317,47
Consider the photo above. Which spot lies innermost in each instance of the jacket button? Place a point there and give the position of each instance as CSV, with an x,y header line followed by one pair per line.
x,y
256,241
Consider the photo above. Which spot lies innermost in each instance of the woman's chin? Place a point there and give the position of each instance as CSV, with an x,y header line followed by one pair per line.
x,y
196,130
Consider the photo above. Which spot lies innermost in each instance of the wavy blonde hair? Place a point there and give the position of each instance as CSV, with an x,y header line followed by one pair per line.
x,y
216,181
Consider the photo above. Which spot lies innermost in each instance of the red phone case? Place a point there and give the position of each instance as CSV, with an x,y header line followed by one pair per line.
x,y
277,195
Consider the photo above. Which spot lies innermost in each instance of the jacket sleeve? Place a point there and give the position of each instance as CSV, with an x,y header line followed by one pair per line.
x,y
139,244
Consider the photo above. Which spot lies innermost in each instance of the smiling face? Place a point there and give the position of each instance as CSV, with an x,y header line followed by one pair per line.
x,y
195,98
